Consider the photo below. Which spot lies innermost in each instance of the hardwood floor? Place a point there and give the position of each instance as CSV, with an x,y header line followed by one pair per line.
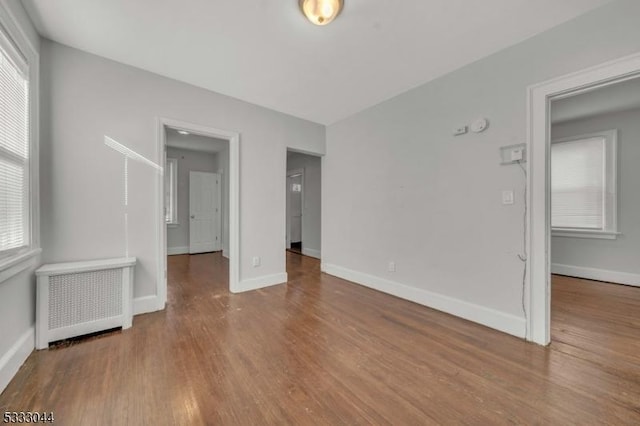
x,y
321,350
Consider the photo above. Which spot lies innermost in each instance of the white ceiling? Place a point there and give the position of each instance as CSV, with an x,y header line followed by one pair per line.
x,y
617,97
194,142
265,52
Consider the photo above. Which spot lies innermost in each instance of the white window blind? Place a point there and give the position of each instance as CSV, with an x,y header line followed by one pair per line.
x,y
171,191
578,184
14,151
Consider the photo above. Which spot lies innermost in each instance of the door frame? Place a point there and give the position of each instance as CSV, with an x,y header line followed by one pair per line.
x,y
218,217
234,200
538,261
291,173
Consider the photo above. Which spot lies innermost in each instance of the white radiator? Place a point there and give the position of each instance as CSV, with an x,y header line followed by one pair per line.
x,y
83,297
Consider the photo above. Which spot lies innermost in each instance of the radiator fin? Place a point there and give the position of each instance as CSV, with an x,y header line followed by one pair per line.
x,y
84,297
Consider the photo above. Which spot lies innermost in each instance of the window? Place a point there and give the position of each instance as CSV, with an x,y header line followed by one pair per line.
x,y
15,217
583,186
171,191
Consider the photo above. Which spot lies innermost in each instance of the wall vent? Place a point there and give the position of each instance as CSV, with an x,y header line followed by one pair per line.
x,y
79,298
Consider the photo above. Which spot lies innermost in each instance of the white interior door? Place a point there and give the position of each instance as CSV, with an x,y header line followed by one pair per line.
x,y
295,208
204,212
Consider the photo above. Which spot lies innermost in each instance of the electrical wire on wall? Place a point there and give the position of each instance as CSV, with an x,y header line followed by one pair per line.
x,y
524,254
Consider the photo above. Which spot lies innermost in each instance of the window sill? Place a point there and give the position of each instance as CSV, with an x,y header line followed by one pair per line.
x,y
583,233
18,263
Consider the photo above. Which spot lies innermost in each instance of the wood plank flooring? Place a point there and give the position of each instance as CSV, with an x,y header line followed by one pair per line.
x,y
321,350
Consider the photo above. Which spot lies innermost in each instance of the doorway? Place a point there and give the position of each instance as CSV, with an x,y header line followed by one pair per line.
x,y
295,183
303,204
540,218
595,219
194,184
203,143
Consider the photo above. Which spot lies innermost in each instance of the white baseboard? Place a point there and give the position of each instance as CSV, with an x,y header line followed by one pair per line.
x,y
13,359
596,274
145,304
225,253
311,252
260,282
501,321
171,251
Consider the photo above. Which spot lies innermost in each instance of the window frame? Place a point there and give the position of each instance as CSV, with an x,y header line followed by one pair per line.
x,y
610,228
19,62
173,222
17,45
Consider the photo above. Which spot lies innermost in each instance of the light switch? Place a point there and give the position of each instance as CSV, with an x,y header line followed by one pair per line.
x,y
507,197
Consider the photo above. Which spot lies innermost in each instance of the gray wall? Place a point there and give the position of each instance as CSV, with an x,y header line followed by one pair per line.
x,y
88,97
397,186
623,253
311,220
178,236
17,294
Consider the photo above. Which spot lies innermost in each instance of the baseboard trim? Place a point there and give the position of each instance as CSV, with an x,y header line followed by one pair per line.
x,y
497,320
260,282
596,274
145,304
225,253
172,251
17,354
311,252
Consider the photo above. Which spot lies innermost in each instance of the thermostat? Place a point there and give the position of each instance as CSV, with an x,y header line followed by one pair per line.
x,y
479,125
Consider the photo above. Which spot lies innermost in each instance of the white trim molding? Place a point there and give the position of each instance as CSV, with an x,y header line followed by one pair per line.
x,y
596,274
261,282
234,201
538,283
172,251
86,266
492,318
145,304
17,354
19,263
311,252
584,233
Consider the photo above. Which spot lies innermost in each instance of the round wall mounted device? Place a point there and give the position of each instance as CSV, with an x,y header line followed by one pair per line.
x,y
480,125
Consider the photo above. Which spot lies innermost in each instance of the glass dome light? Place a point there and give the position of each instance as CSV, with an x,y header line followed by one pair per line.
x,y
321,12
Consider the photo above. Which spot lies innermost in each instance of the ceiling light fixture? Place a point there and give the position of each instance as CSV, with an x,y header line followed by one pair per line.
x,y
183,132
321,12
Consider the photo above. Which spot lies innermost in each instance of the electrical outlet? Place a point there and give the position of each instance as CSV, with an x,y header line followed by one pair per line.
x,y
255,261
391,267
